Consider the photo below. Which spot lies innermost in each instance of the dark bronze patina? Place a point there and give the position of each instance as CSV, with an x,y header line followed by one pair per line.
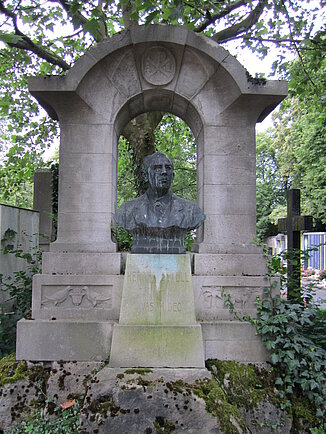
x,y
158,220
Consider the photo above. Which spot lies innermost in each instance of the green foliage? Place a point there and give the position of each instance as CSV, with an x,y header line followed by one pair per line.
x,y
126,173
270,189
237,389
61,421
25,132
174,138
18,290
297,349
122,238
294,335
292,154
47,38
300,133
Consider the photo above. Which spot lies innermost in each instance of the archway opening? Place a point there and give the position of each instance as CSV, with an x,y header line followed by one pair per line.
x,y
174,138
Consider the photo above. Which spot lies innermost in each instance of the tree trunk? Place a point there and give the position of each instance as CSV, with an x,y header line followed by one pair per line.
x,y
139,132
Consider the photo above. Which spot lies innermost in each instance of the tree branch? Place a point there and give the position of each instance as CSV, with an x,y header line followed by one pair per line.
x,y
211,19
79,20
244,25
297,49
25,43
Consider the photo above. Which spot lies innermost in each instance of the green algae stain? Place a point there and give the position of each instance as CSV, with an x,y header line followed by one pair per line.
x,y
12,371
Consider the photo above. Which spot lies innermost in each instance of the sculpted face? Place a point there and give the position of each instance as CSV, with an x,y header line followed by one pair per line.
x,y
160,173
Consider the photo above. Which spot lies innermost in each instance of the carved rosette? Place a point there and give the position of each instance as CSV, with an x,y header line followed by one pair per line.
x,y
158,66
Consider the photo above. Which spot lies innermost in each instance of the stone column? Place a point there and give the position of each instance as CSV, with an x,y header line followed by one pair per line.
x,y
227,189
86,192
42,202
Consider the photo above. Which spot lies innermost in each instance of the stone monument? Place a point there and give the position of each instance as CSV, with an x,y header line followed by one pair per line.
x,y
157,324
77,298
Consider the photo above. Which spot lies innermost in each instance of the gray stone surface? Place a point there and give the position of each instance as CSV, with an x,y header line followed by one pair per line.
x,y
213,294
266,418
15,399
19,228
42,202
241,264
157,291
233,340
157,325
148,68
137,402
68,380
81,263
157,346
204,84
46,340
133,400
79,297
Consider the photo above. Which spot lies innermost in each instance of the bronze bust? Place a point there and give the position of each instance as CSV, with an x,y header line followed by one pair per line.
x,y
158,220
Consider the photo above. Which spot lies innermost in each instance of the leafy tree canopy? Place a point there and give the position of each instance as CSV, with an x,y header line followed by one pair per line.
x,y
47,37
297,143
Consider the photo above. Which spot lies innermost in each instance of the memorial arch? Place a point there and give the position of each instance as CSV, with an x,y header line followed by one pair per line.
x,y
145,69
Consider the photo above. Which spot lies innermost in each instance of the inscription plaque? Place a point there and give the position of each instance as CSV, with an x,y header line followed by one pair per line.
x,y
157,290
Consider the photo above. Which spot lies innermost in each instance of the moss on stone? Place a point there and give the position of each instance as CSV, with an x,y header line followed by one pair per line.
x,y
244,385
228,415
12,371
301,412
163,426
178,386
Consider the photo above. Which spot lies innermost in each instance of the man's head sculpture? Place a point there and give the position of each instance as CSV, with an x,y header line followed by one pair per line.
x,y
158,171
158,220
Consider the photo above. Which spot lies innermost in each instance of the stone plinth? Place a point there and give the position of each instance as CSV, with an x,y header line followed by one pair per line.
x,y
45,340
157,325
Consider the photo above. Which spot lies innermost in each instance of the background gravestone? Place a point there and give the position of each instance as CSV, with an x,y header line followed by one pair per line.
x,y
150,68
19,230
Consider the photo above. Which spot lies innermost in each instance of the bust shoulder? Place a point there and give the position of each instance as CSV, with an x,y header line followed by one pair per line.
x,y
125,215
192,215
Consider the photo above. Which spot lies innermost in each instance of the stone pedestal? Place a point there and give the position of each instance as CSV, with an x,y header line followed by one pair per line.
x,y
157,325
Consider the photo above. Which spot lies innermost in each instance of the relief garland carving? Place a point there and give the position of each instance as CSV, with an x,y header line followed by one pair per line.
x,y
77,294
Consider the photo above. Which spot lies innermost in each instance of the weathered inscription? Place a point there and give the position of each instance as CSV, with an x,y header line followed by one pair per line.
x,y
211,297
151,306
145,280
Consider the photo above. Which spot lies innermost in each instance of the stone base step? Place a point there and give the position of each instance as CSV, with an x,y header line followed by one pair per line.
x,y
157,346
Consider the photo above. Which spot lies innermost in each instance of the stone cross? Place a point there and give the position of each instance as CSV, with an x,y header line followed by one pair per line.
x,y
292,225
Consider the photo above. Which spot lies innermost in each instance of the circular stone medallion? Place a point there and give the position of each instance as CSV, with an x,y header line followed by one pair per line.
x,y
158,66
